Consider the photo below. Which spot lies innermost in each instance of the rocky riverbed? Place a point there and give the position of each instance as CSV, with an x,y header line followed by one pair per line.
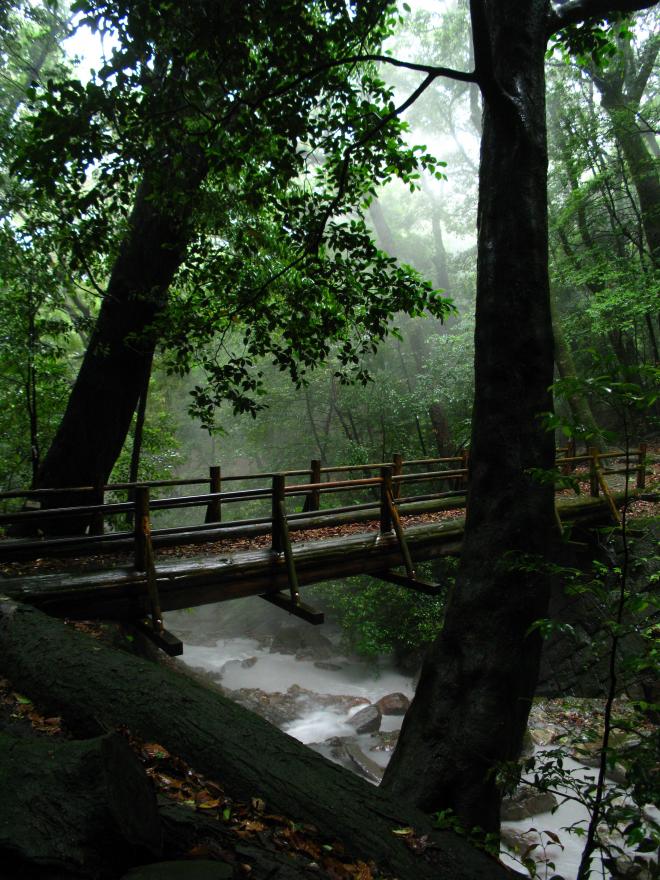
x,y
296,677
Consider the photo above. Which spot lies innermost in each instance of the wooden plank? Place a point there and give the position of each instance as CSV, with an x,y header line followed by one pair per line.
x,y
398,529
415,584
122,593
298,609
162,638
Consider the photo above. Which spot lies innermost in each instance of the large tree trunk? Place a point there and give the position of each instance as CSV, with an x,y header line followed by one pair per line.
x,y
118,358
581,414
470,710
643,166
84,808
91,684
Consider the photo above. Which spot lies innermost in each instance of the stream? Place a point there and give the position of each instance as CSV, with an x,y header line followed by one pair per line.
x,y
296,677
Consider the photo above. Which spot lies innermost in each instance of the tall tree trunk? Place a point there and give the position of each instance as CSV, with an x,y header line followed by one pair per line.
x,y
118,357
382,227
641,163
470,710
581,413
441,278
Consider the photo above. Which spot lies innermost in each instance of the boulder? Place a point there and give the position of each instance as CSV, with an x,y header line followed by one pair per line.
x,y
393,704
366,720
625,868
366,766
306,643
526,801
201,869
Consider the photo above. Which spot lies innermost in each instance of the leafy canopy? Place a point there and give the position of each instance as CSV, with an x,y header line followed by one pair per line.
x,y
293,144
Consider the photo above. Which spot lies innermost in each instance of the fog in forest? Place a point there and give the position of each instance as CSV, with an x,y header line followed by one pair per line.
x,y
335,381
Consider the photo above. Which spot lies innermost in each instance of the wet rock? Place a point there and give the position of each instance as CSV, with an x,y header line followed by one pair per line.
x,y
248,662
306,644
366,720
281,709
199,869
385,741
589,755
535,844
626,868
287,641
393,704
514,840
367,767
528,745
324,664
526,801
542,736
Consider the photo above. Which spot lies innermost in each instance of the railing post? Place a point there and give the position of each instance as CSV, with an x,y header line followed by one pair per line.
x,y
313,498
141,526
213,509
641,467
465,465
96,525
397,470
276,515
594,488
569,466
385,488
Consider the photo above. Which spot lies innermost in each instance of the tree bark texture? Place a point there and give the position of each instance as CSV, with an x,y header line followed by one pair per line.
x,y
118,358
471,705
91,684
83,808
581,414
643,166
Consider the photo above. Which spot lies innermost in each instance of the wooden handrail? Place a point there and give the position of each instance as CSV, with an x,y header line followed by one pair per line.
x,y
268,475
313,489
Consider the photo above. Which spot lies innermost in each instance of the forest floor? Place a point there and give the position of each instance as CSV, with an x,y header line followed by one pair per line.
x,y
303,845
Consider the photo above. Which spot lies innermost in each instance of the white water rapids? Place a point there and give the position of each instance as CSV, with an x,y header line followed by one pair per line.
x,y
240,662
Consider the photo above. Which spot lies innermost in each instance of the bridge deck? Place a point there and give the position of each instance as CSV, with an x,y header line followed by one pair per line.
x,y
121,592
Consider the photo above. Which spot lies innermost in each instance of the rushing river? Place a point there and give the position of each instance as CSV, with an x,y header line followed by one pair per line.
x,y
314,691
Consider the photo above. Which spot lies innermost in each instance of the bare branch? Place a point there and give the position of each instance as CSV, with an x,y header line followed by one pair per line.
x,y
565,12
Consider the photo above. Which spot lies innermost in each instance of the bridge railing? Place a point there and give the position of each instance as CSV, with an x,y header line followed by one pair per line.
x,y
33,517
391,477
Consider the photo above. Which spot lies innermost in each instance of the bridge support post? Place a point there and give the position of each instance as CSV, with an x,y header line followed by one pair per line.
x,y
144,561
594,487
313,499
281,544
641,467
140,526
385,496
96,525
465,465
213,509
277,542
397,470
569,466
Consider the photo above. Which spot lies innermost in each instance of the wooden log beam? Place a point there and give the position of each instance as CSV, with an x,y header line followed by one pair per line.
x,y
118,542
81,808
121,593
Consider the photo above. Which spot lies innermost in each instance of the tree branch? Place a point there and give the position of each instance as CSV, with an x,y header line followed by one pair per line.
x,y
315,240
565,12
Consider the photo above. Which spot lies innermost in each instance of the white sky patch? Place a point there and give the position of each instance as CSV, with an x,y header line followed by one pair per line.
x,y
88,50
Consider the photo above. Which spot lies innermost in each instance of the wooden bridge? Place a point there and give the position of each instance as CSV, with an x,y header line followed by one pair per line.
x,y
140,589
